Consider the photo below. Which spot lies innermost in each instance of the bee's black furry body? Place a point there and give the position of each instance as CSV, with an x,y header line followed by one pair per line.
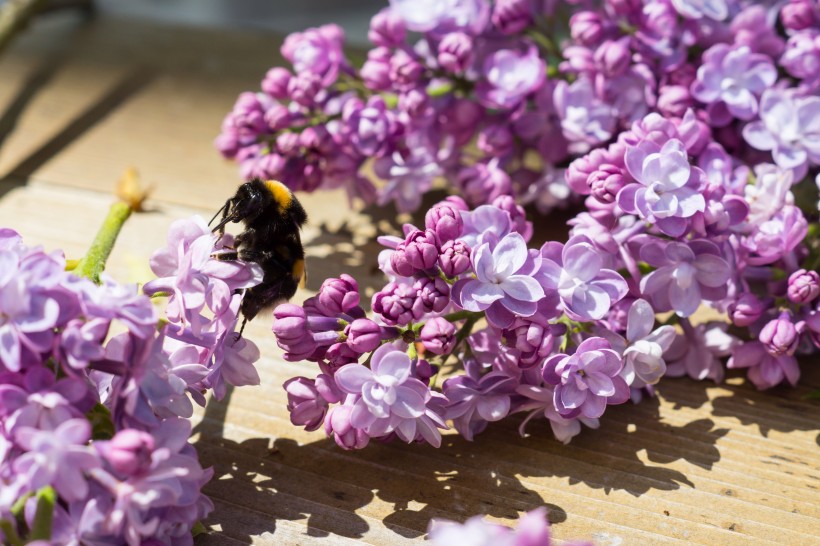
x,y
272,217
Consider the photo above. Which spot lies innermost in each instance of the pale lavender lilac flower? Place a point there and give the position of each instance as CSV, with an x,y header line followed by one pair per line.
x,y
789,126
667,188
509,76
505,285
730,80
390,399
686,274
578,272
586,381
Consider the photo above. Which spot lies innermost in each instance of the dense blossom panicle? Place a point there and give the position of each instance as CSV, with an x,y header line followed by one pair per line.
x,y
95,389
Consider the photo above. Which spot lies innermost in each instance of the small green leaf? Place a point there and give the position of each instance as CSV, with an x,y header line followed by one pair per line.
x,y
102,426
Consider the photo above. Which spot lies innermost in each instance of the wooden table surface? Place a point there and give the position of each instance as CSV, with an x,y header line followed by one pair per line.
x,y
704,463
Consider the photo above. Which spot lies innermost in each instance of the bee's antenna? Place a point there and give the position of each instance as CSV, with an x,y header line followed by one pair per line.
x,y
222,208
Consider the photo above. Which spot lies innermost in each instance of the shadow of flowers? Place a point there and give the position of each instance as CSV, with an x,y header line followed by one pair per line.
x,y
261,485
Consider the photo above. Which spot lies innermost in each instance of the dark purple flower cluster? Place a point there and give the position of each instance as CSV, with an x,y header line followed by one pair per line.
x,y
95,391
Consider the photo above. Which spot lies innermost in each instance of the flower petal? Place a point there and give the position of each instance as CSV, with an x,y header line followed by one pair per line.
x,y
352,377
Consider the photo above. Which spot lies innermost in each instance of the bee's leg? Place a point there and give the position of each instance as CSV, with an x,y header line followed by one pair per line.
x,y
241,328
230,256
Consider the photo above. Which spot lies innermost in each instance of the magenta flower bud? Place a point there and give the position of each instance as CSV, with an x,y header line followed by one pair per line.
x,y
276,82
625,7
482,182
400,263
398,303
579,170
337,424
304,87
804,286
495,140
586,27
614,56
306,406
517,214
423,370
339,354
415,103
799,14
454,258
363,335
337,296
445,221
746,310
278,117
512,16
405,71
606,182
128,452
455,52
438,335
674,100
386,29
462,119
375,72
456,202
433,293
288,144
290,322
779,336
317,138
421,249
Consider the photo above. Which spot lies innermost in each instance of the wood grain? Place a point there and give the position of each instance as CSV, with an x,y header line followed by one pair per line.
x,y
701,464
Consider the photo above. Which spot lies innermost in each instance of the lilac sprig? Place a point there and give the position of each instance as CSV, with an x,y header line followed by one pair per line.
x,y
93,426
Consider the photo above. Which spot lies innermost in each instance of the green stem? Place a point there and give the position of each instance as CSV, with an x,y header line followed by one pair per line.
x,y
10,535
43,517
93,263
462,315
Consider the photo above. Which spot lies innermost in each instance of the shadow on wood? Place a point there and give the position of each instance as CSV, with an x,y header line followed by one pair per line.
x,y
260,481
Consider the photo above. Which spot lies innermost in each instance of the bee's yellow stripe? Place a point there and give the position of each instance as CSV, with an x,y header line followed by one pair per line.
x,y
281,194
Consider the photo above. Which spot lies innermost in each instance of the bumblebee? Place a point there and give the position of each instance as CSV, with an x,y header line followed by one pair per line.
x,y
272,217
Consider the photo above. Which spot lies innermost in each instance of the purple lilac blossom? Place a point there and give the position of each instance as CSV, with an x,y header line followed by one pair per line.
x,y
510,76
588,380
686,274
730,80
390,399
505,285
667,189
577,271
789,126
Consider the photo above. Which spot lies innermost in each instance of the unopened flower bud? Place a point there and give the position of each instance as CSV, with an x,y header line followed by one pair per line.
x,y
445,220
804,286
606,182
128,452
338,295
276,82
386,29
454,258
779,336
421,249
746,310
438,335
455,52
512,16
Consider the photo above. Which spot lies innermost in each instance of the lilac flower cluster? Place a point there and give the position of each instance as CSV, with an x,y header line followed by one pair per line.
x,y
96,388
532,530
563,330
498,96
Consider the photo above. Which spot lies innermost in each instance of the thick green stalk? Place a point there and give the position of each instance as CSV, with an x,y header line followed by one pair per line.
x,y
93,263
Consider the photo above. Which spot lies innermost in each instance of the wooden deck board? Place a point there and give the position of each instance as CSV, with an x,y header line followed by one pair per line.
x,y
704,463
